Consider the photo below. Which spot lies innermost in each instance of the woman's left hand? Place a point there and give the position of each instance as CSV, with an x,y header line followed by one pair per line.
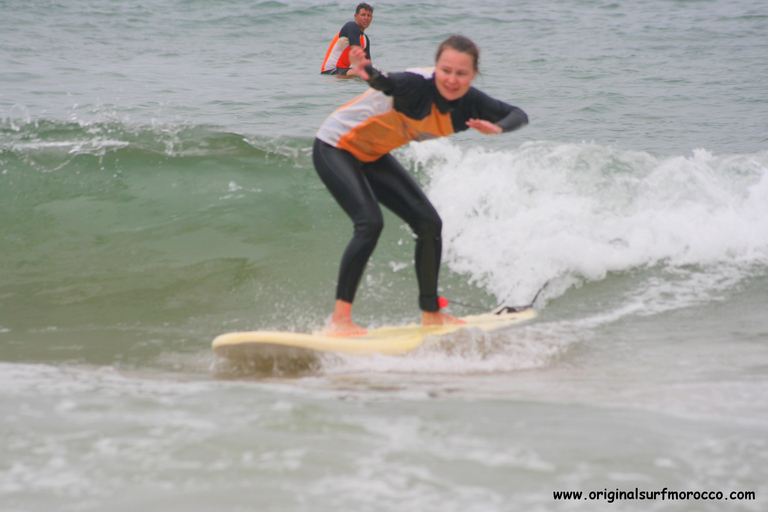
x,y
484,126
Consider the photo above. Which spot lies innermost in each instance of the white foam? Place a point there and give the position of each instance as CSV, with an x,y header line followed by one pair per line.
x,y
515,218
469,351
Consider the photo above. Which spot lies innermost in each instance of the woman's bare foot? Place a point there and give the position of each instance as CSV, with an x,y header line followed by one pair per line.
x,y
344,329
438,318
341,322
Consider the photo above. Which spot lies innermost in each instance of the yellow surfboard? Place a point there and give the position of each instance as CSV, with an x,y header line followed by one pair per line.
x,y
265,348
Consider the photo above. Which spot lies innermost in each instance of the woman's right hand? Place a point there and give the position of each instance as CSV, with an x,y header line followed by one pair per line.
x,y
358,60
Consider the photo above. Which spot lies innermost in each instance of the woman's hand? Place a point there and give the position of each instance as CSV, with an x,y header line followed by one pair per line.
x,y
484,126
359,61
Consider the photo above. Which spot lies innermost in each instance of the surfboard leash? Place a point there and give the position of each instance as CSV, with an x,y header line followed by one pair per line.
x,y
501,308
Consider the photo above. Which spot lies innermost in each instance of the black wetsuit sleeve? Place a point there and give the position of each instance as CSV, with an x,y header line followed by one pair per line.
x,y
402,85
413,94
478,105
379,81
514,120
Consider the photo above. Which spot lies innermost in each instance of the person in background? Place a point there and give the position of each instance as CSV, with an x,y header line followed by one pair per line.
x,y
352,34
351,154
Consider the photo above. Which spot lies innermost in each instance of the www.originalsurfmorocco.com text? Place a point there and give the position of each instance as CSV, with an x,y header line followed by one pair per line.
x,y
662,495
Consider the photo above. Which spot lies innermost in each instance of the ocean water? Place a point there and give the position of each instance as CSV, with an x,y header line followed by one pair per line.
x,y
156,190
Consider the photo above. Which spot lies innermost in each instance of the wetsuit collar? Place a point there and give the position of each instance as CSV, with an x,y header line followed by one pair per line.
x,y
443,105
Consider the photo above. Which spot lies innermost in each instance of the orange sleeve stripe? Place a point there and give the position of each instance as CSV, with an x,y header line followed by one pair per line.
x,y
328,52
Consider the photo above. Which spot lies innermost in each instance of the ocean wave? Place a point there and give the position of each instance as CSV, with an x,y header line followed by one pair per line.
x,y
195,203
546,211
63,140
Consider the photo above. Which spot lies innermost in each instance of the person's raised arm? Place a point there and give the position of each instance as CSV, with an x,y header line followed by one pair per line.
x,y
362,67
359,61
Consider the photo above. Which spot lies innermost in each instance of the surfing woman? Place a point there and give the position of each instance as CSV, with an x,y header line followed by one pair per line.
x,y
352,156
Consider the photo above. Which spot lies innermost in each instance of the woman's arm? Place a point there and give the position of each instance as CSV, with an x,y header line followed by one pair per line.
x,y
492,116
515,119
362,67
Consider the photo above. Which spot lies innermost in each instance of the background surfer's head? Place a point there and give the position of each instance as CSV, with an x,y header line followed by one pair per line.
x,y
363,15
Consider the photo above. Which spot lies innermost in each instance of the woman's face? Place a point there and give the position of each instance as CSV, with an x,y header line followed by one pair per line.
x,y
454,72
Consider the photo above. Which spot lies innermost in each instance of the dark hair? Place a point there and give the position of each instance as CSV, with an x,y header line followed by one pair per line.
x,y
460,44
365,6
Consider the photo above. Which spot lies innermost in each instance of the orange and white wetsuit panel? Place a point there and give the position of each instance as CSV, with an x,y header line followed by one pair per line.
x,y
405,107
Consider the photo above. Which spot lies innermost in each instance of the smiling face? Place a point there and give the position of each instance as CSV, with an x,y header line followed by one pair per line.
x,y
363,18
454,72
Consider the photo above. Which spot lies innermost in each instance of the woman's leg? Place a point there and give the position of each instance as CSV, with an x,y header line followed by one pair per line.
x,y
398,191
343,175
